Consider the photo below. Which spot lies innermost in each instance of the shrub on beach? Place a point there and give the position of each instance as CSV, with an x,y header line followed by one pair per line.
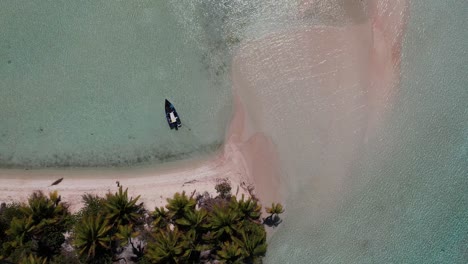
x,y
223,188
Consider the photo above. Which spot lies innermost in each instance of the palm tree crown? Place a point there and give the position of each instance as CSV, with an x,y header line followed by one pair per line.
x,y
252,241
92,236
223,221
40,226
43,209
179,205
169,246
161,217
121,210
248,209
230,253
20,230
33,259
275,209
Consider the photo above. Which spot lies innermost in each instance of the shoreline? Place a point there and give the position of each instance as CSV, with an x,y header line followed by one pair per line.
x,y
154,184
140,170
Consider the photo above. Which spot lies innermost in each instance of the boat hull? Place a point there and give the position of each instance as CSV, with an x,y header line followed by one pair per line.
x,y
172,117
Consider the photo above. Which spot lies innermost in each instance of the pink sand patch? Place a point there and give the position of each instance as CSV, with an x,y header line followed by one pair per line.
x,y
321,92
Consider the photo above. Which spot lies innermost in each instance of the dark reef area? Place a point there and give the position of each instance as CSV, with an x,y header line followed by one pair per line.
x,y
92,160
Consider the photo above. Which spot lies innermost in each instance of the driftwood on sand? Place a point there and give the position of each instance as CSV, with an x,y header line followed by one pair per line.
x,y
57,182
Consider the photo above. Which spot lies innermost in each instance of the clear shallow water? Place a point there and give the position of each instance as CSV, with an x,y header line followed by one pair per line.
x,y
83,83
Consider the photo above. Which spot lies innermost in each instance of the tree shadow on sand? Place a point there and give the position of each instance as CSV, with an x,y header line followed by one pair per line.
x,y
272,221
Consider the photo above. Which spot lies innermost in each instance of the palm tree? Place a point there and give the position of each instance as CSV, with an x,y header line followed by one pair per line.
x,y
230,253
20,231
120,210
252,240
194,225
169,246
161,217
40,226
125,235
248,209
273,219
193,221
93,205
179,205
33,259
224,222
275,209
92,237
44,210
7,213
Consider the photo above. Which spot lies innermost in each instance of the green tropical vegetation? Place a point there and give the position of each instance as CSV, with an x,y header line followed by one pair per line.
x,y
93,237
188,229
275,209
34,231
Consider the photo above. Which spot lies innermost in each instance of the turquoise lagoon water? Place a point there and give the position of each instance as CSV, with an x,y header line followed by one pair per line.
x,y
90,88
83,83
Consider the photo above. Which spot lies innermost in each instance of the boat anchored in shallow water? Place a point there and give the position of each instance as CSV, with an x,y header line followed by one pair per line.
x,y
172,117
